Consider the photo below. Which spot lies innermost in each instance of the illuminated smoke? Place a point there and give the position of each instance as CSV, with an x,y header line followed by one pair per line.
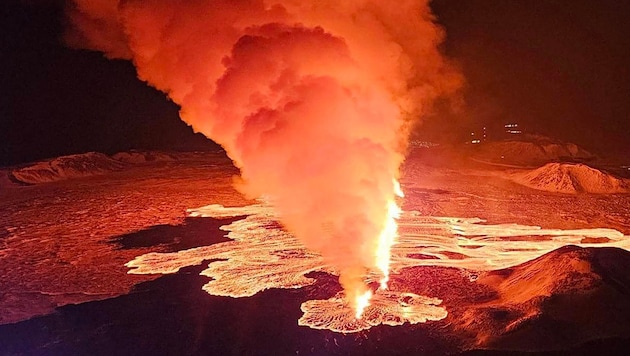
x,y
312,100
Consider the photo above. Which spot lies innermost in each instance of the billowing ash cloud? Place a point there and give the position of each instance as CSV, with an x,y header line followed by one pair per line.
x,y
312,100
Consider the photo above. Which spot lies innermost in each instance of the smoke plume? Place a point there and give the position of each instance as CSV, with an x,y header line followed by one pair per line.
x,y
312,100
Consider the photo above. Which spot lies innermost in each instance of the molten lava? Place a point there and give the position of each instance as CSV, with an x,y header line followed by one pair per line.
x,y
262,255
388,236
386,239
362,302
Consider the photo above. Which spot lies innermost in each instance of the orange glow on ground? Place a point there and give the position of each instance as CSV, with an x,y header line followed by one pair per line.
x,y
263,256
385,308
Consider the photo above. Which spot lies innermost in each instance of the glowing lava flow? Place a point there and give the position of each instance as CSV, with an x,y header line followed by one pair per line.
x,y
386,308
261,256
388,237
362,302
386,240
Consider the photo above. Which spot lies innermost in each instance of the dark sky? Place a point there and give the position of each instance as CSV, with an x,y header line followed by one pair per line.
x,y
557,67
55,101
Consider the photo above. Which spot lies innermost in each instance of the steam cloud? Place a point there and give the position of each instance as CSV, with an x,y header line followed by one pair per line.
x,y
312,100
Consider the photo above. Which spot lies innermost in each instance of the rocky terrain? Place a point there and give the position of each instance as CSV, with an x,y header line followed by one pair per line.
x,y
530,150
65,289
88,164
572,178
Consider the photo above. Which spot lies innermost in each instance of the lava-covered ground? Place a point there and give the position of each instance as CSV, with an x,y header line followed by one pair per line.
x,y
65,289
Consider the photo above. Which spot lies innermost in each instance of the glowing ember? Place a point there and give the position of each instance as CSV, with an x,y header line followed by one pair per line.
x,y
263,256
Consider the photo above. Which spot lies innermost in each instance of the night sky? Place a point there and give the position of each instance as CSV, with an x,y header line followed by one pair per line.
x,y
557,67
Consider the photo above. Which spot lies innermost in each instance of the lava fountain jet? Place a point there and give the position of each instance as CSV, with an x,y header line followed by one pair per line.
x,y
388,236
312,100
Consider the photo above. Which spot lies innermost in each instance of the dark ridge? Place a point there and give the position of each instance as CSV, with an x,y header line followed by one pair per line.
x,y
421,256
613,346
613,264
14,180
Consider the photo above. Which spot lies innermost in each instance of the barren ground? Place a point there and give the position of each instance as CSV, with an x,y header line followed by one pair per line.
x,y
66,243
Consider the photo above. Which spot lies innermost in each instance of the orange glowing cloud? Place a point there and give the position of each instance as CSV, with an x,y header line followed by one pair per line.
x,y
312,100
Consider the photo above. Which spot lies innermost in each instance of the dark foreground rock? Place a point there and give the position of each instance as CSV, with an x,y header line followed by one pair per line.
x,y
565,298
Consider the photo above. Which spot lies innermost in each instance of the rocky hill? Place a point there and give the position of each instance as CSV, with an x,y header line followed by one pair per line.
x,y
530,150
66,167
86,165
569,294
572,178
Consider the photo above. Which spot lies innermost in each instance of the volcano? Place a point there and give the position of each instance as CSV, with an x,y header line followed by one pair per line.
x,y
143,256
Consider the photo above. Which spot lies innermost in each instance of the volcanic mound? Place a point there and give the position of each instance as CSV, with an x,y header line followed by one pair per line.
x,y
548,303
90,164
66,167
138,157
572,178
